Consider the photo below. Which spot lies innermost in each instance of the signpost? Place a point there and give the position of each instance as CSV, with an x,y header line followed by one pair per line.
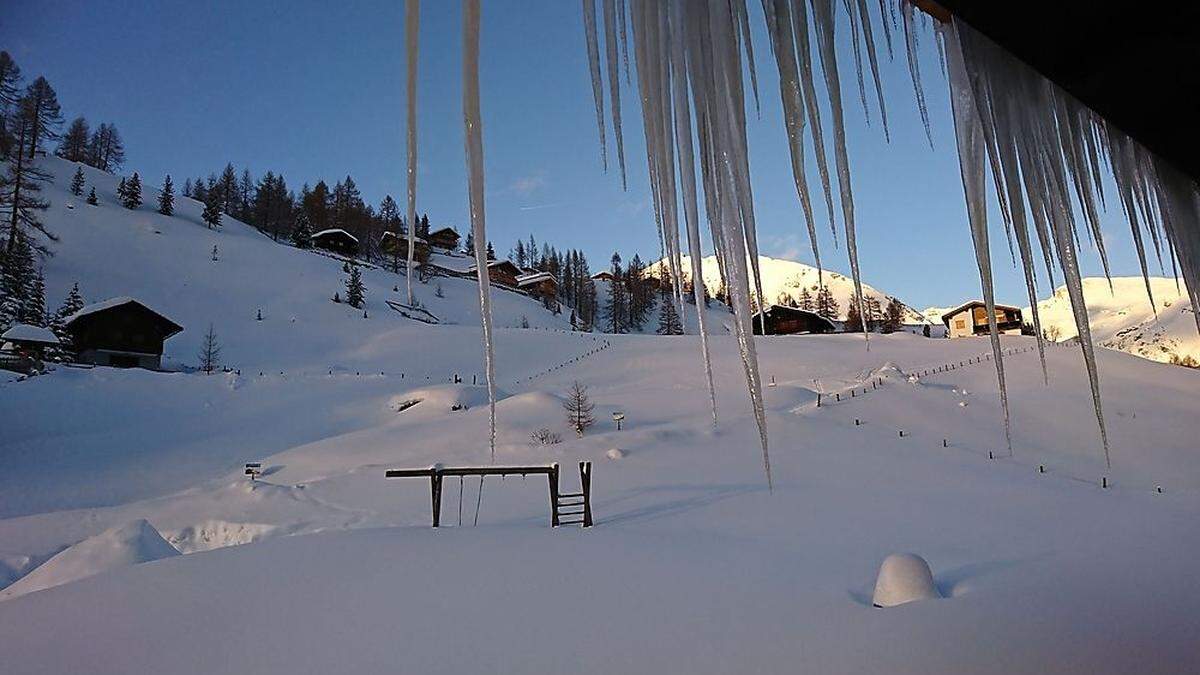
x,y
618,416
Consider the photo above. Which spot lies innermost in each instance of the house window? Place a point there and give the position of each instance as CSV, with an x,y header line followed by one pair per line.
x,y
960,323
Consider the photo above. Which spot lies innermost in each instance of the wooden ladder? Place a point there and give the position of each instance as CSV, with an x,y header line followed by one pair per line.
x,y
572,508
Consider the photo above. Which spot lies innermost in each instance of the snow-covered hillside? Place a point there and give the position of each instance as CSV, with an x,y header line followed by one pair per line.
x,y
782,279
1122,318
167,262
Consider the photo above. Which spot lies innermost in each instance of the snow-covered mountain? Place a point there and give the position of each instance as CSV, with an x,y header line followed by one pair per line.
x,y
784,279
1123,319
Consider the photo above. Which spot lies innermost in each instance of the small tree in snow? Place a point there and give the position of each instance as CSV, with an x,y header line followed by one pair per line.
x,y
77,182
132,196
91,198
215,256
668,318
210,351
355,291
544,436
166,197
579,408
212,209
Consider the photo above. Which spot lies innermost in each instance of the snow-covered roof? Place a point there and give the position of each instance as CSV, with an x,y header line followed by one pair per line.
x,y
23,332
602,274
495,263
451,230
109,304
402,236
951,312
333,230
535,277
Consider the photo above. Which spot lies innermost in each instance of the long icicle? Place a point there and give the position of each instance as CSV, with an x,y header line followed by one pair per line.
x,y
614,81
593,50
473,128
412,23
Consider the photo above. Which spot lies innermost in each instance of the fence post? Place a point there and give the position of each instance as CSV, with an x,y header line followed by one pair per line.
x,y
435,489
585,480
553,478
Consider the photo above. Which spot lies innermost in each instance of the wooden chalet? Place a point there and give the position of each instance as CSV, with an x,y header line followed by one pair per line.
x,y
120,332
782,320
602,275
336,240
396,245
446,238
971,318
540,285
501,272
29,341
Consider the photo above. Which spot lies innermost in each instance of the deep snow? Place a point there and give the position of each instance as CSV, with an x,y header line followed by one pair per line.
x,y
324,565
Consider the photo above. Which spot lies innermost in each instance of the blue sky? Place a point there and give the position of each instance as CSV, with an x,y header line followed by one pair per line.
x,y
315,90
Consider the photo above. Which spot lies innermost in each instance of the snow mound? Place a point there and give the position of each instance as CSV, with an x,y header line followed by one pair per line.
x,y
903,577
442,398
212,534
615,453
129,544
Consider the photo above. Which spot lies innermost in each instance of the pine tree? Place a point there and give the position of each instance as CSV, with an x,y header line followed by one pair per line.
x,y
827,306
518,255
106,151
668,318
854,319
215,254
74,145
22,181
58,323
77,182
355,290
187,187
893,318
44,114
301,230
91,198
245,194
806,302
132,198
210,351
16,276
212,209
491,252
579,408
10,82
617,308
227,187
166,197
469,243
33,309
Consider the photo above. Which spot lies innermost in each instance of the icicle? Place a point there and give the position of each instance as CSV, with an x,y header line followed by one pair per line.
x,y
473,128
793,112
593,50
884,5
823,15
804,59
687,175
968,132
624,37
614,81
739,6
412,17
872,58
856,50
914,68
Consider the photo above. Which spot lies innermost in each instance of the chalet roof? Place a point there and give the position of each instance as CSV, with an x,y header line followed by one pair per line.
x,y
331,231
402,235
971,303
602,274
498,263
23,332
535,277
112,303
444,230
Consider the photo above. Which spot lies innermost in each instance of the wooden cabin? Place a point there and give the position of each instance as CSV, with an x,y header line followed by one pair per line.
x,y
31,341
602,275
502,272
396,245
336,240
445,238
970,318
120,332
781,320
540,285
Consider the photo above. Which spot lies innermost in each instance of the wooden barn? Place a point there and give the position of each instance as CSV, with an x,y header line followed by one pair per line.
x,y
336,240
540,285
781,320
502,272
120,332
393,244
26,340
445,238
970,318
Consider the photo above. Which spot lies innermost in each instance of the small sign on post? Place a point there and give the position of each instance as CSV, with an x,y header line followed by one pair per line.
x,y
618,417
253,470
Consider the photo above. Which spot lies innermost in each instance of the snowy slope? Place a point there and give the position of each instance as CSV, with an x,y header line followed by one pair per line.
x,y
786,279
1123,319
167,262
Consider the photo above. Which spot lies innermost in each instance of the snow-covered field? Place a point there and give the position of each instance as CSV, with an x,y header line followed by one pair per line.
x,y
693,566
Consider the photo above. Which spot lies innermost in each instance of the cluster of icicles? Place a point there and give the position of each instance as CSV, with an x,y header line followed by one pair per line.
x,y
1043,149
